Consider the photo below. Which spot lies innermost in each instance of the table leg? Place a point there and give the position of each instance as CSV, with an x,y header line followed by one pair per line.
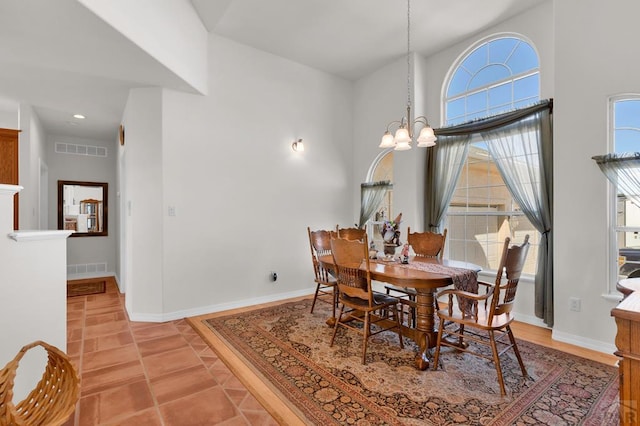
x,y
426,334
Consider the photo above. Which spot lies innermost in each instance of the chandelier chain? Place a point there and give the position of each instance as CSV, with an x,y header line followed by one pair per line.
x,y
408,55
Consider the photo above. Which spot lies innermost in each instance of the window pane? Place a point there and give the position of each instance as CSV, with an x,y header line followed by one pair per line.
x,y
500,95
477,102
627,140
455,108
523,59
527,87
627,113
488,75
459,82
500,49
476,59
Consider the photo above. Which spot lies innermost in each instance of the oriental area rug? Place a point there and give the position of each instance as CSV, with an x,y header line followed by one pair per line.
x,y
287,349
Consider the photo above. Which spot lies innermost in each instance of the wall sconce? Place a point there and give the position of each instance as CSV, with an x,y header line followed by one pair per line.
x,y
298,146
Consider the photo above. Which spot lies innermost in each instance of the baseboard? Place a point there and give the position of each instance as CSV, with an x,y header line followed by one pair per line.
x,y
171,316
594,345
89,275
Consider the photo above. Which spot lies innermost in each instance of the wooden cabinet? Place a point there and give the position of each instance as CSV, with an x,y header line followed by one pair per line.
x,y
627,316
9,164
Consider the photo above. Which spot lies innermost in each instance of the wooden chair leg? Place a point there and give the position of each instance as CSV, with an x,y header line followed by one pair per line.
x,y
437,353
399,327
496,361
366,332
335,300
517,352
315,297
335,326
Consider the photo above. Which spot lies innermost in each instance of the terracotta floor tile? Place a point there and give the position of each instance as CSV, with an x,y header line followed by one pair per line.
x,y
141,373
115,404
209,407
167,362
109,341
107,328
104,318
109,357
150,417
181,383
152,332
116,375
250,403
162,344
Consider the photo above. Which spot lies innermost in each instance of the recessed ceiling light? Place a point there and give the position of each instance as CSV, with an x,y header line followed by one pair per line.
x,y
79,116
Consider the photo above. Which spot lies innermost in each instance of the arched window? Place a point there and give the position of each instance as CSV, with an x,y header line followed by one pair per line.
x,y
381,170
496,75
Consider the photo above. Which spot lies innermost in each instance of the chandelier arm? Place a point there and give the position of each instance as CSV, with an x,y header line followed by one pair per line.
x,y
400,123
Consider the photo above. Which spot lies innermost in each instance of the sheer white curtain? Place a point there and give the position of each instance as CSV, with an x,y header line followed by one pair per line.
x,y
371,196
444,165
522,152
623,170
529,178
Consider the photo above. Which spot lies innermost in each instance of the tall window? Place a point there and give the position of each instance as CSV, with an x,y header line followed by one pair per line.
x,y
496,76
625,135
381,170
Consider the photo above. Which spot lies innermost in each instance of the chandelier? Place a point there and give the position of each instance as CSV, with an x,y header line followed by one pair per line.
x,y
405,127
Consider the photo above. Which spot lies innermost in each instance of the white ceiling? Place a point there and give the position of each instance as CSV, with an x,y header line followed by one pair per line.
x,y
61,59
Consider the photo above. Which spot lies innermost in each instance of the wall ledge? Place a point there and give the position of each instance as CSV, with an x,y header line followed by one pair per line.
x,y
10,189
21,236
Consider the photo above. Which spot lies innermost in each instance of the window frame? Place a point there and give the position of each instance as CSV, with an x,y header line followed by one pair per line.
x,y
612,197
490,109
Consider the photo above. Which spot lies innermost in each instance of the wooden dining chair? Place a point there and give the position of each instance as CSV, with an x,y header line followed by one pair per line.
x,y
424,244
491,316
320,243
351,233
357,299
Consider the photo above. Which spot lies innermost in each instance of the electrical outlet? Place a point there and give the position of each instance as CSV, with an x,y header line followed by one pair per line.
x,y
574,304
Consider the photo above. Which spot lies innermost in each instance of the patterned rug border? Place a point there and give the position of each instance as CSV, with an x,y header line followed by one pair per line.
x,y
599,413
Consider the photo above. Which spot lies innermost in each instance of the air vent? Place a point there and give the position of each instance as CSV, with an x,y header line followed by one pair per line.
x,y
87,150
87,268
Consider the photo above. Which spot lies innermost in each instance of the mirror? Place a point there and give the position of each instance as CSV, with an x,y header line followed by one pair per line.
x,y
82,207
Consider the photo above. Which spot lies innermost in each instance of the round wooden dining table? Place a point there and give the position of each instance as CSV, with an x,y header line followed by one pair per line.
x,y
426,284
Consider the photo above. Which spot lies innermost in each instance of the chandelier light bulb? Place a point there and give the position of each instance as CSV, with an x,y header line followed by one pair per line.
x,y
427,138
387,140
402,137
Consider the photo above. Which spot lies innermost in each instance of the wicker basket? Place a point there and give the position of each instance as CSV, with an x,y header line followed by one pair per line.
x,y
53,399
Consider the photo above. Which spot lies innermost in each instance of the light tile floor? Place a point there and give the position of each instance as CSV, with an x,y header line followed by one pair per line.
x,y
142,374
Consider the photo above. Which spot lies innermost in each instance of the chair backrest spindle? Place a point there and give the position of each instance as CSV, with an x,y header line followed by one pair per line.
x,y
348,257
508,277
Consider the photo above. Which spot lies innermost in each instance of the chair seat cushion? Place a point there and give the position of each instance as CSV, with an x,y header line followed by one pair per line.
x,y
379,300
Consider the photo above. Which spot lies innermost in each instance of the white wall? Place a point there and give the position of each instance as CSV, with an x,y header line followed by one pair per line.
x,y
142,220
33,286
84,168
242,197
592,63
163,34
9,120
32,154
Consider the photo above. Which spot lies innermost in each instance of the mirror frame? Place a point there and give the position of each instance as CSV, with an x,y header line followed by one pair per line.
x,y
105,209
